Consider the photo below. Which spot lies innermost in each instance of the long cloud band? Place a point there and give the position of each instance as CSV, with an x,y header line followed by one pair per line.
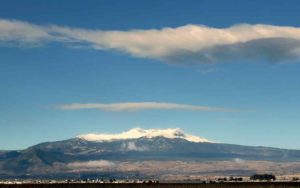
x,y
189,43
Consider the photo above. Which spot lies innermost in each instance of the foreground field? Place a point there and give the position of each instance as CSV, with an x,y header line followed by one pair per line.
x,y
164,185
161,170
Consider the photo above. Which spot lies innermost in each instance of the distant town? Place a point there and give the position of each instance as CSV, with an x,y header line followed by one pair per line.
x,y
204,180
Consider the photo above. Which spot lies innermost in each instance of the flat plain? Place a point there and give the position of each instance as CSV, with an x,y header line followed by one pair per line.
x,y
161,185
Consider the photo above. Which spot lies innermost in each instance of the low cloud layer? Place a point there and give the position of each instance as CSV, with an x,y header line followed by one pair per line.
x,y
92,165
183,45
138,106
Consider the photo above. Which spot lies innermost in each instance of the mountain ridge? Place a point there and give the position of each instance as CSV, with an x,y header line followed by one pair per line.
x,y
120,156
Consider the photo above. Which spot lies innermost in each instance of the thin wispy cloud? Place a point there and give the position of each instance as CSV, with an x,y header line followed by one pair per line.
x,y
186,44
140,106
209,70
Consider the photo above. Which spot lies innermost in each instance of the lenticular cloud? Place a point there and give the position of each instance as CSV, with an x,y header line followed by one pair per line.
x,y
138,106
189,43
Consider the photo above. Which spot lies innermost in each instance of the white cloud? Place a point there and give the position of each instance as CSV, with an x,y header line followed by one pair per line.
x,y
98,164
23,33
131,146
138,106
189,43
238,160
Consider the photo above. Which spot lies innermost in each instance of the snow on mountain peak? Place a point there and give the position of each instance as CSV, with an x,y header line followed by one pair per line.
x,y
139,133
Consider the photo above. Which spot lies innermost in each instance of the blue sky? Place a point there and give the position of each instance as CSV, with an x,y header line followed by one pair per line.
x,y
35,78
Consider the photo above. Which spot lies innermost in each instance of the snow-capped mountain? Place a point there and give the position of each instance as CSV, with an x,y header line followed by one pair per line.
x,y
140,151
140,133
